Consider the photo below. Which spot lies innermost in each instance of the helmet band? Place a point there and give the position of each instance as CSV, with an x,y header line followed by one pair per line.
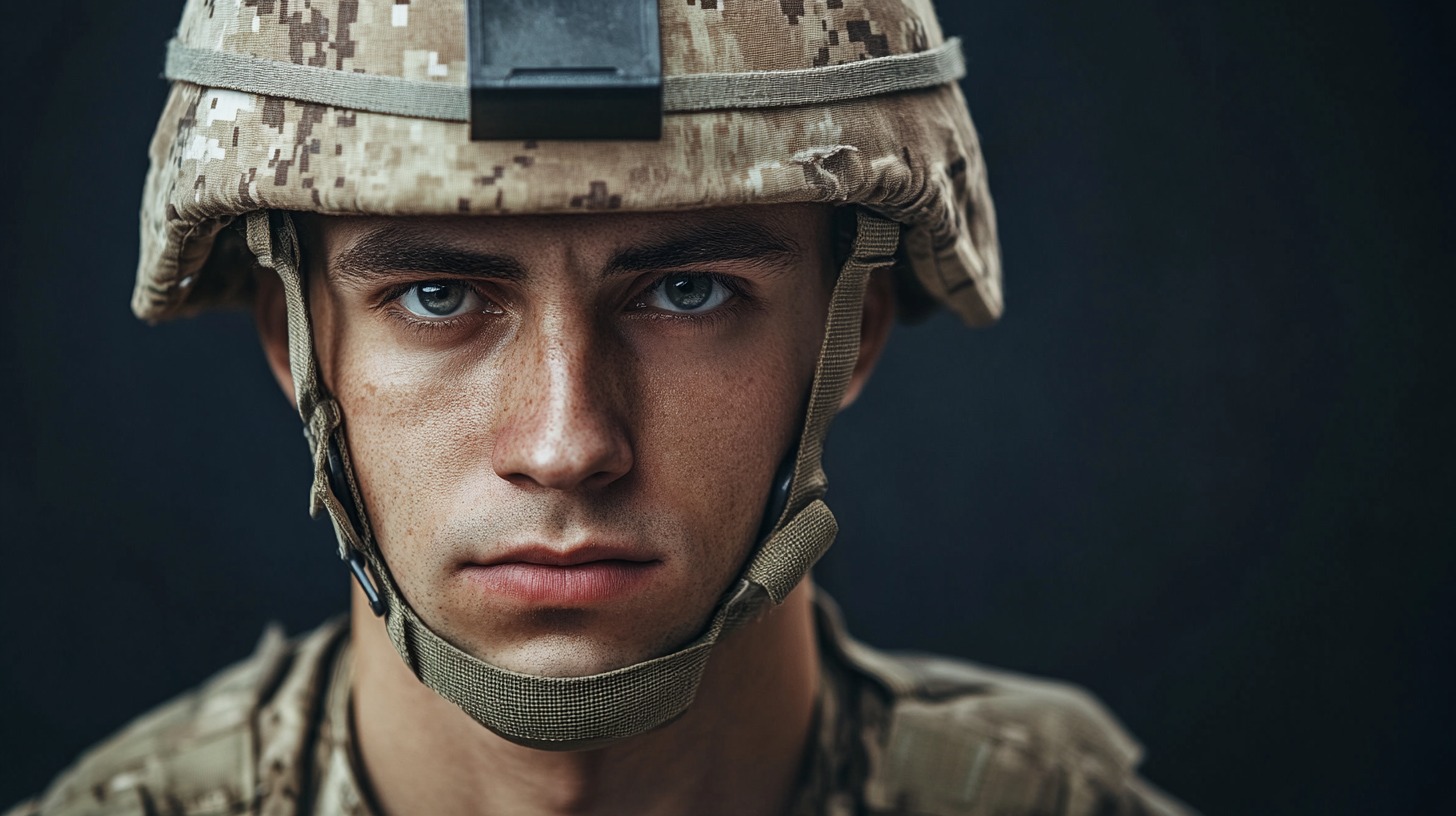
x,y
684,93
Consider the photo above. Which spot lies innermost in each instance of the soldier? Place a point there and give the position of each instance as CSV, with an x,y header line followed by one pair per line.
x,y
566,342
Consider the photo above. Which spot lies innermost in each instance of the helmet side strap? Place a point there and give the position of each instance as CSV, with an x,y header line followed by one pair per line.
x,y
774,567
874,247
273,239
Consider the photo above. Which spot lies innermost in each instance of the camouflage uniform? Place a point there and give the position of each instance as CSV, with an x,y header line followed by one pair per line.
x,y
896,734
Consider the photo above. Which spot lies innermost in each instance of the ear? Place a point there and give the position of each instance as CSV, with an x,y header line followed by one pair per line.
x,y
270,313
878,317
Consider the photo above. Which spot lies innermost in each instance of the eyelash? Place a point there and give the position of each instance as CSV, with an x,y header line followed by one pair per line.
x,y
387,299
738,289
387,302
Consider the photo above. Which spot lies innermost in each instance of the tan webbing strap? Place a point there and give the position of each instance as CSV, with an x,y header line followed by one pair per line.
x,y
777,566
273,240
874,246
582,712
396,96
579,712
262,236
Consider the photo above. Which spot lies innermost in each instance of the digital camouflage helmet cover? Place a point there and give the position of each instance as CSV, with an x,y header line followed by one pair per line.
x,y
369,106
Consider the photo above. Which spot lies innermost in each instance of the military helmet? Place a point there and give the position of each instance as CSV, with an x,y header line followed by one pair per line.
x,y
426,107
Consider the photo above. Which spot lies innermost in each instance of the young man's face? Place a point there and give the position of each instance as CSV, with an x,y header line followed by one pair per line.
x,y
565,427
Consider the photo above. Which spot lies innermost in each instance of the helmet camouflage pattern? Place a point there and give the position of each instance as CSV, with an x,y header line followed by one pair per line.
x,y
221,151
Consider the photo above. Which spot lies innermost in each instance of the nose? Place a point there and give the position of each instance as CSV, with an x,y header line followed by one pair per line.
x,y
561,424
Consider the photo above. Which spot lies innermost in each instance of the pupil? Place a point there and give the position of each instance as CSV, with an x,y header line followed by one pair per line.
x,y
441,299
689,291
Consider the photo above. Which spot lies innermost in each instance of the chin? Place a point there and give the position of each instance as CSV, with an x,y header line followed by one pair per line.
x,y
568,656
567,642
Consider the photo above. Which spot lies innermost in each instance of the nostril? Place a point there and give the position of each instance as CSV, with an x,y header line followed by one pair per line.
x,y
586,454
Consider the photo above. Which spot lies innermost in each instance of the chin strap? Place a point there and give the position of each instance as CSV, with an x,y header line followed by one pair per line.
x,y
564,713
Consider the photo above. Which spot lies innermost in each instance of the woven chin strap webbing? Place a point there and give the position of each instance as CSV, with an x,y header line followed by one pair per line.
x,y
576,712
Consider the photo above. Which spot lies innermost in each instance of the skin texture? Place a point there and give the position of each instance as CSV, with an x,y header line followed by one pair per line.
x,y
566,406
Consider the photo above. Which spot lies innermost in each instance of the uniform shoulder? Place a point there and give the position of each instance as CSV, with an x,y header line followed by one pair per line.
x,y
197,754
948,737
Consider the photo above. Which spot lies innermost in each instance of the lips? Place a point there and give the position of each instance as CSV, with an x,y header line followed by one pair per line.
x,y
578,577
547,557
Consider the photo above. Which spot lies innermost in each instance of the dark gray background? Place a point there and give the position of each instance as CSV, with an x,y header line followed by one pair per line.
x,y
1203,467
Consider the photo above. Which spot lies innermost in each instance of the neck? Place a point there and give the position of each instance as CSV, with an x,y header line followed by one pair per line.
x,y
738,749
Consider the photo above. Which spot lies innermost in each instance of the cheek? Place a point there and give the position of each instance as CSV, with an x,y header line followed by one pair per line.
x,y
717,421
416,426
710,415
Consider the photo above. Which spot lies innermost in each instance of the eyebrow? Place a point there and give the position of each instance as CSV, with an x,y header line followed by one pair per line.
x,y
393,249
738,241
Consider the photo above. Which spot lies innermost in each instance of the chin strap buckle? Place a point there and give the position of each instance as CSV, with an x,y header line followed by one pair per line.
x,y
356,566
778,495
345,497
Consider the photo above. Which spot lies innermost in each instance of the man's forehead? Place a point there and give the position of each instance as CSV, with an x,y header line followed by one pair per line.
x,y
783,227
508,247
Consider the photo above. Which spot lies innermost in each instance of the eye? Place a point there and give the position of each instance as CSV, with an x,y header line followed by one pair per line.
x,y
684,293
441,299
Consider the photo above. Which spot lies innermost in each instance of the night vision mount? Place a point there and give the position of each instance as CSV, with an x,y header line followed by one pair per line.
x,y
564,69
